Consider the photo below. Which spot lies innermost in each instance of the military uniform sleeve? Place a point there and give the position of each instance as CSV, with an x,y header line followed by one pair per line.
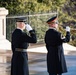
x,y
58,40
30,38
67,37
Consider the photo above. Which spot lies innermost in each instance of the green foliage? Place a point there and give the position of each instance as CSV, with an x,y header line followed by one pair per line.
x,y
24,6
66,12
73,43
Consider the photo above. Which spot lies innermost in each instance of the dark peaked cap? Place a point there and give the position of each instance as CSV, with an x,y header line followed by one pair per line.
x,y
21,19
51,19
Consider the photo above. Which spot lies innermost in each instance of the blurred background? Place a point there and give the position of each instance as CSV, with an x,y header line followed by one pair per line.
x,y
38,12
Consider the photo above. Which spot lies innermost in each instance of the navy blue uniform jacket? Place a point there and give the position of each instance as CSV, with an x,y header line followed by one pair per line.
x,y
19,62
55,57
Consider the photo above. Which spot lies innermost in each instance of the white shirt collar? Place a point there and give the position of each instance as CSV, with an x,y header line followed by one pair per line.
x,y
52,28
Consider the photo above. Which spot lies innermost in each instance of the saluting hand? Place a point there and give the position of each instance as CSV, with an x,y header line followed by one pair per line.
x,y
68,28
28,27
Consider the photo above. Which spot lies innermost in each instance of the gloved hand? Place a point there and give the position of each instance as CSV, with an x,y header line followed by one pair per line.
x,y
68,28
28,27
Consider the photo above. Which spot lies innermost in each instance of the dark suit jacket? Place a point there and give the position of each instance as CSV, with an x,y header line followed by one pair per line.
x,y
55,56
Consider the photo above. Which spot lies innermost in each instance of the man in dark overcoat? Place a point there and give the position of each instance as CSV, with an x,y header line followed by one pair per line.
x,y
56,64
20,40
